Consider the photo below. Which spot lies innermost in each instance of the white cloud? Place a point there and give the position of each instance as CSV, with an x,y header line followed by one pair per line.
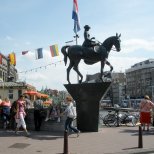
x,y
123,63
37,76
52,76
27,43
132,45
9,38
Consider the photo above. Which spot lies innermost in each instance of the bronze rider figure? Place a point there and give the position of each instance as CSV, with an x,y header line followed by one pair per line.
x,y
88,42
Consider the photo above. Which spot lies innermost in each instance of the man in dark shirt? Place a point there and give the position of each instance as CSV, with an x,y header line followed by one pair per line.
x,y
38,106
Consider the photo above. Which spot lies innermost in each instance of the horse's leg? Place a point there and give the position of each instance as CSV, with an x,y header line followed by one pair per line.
x,y
111,67
77,70
103,61
68,71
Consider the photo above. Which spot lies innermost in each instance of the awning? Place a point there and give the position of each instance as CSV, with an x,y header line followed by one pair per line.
x,y
31,93
42,95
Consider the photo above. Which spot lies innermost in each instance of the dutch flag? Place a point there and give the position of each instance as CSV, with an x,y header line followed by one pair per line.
x,y
75,16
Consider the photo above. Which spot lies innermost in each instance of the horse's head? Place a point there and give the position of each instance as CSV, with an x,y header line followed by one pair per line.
x,y
117,41
112,41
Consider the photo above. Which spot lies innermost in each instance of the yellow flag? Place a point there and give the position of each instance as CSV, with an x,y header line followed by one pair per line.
x,y
12,58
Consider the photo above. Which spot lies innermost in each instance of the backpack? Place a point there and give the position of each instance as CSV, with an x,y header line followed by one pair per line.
x,y
72,112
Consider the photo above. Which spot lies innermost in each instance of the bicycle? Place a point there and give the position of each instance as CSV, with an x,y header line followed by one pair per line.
x,y
110,119
113,118
128,119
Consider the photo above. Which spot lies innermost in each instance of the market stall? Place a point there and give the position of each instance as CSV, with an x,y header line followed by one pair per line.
x,y
33,94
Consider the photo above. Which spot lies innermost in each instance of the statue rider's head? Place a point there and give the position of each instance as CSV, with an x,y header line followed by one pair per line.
x,y
86,27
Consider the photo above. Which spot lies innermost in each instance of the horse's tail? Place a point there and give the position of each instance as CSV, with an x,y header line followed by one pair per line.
x,y
63,50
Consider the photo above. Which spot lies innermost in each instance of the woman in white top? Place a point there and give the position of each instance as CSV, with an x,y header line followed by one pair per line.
x,y
70,116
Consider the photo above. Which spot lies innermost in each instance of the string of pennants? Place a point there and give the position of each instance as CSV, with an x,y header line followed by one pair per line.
x,y
38,53
40,67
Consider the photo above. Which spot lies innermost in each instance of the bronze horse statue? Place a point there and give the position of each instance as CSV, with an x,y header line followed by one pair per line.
x,y
90,56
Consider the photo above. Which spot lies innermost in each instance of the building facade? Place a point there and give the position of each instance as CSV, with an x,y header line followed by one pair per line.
x,y
7,72
118,87
13,90
140,79
9,87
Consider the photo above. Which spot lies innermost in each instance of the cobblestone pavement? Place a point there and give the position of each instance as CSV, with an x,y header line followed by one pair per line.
x,y
108,140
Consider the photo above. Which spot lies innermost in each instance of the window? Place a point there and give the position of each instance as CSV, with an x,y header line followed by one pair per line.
x,y
19,93
10,94
0,73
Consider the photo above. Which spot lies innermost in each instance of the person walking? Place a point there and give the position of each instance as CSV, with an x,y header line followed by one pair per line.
x,y
6,105
20,115
145,115
38,106
71,115
13,112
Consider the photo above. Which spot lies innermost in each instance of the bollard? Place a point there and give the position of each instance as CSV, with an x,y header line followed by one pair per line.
x,y
65,142
140,141
117,118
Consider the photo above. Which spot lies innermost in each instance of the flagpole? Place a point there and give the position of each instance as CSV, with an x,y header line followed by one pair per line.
x,y
76,40
75,17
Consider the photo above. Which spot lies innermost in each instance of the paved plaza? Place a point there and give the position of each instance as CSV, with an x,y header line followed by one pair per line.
x,y
109,140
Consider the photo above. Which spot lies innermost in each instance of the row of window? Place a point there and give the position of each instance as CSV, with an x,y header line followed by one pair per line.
x,y
3,75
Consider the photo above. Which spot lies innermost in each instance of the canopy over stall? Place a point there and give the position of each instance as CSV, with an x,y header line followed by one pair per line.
x,y
34,94
31,93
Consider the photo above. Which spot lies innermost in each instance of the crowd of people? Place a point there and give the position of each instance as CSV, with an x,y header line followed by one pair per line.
x,y
14,115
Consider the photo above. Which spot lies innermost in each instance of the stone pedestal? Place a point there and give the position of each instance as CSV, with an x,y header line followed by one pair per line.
x,y
87,97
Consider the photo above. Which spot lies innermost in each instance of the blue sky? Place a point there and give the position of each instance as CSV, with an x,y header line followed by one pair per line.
x,y
31,24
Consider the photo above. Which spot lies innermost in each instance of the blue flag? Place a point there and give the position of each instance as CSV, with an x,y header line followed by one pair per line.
x,y
39,53
75,16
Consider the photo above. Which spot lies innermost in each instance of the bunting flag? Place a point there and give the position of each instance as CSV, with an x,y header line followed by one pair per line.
x,y
75,16
24,52
12,58
39,53
54,50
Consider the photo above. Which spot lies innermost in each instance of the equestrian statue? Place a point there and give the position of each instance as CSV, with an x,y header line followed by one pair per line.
x,y
91,52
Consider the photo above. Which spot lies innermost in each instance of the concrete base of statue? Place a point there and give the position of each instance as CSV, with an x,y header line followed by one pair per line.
x,y
87,97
